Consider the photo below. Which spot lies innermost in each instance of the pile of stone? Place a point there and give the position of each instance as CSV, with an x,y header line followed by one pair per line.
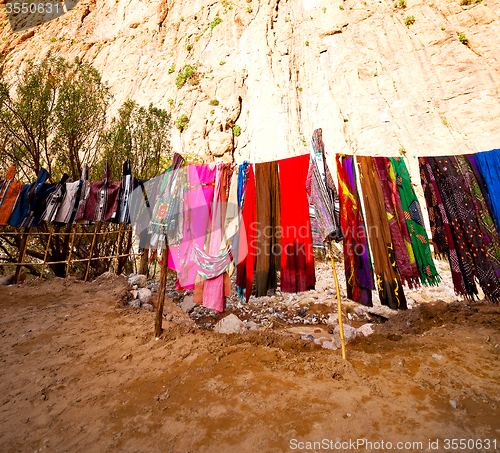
x,y
140,295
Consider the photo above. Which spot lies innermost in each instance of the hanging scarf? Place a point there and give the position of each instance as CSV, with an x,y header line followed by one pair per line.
x,y
441,234
415,224
27,199
467,234
77,199
388,281
123,215
322,195
198,196
247,238
407,267
465,168
434,209
297,258
488,163
358,272
9,191
167,221
267,194
54,201
242,180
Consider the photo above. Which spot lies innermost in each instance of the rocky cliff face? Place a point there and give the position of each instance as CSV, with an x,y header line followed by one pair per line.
x,y
278,69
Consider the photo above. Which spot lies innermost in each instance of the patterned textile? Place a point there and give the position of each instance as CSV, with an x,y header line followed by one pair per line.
x,y
488,163
440,235
9,192
27,198
297,258
267,193
247,237
168,214
415,224
38,206
54,201
358,272
82,196
197,202
242,180
322,195
123,215
388,282
441,231
465,168
470,243
213,266
407,267
214,288
142,206
102,202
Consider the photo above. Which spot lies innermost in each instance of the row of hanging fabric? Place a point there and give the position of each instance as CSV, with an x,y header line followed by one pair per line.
x,y
261,221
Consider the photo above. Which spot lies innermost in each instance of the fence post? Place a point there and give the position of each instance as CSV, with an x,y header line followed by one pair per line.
x,y
22,255
161,290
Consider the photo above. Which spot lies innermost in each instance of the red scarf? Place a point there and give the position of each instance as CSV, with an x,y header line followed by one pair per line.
x,y
297,259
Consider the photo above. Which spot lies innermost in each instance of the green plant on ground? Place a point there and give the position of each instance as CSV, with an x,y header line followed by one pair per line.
x,y
187,75
215,22
171,70
341,7
222,62
249,9
307,43
182,122
443,120
463,39
443,29
410,20
212,112
345,120
53,40
236,130
466,2
189,47
402,150
214,102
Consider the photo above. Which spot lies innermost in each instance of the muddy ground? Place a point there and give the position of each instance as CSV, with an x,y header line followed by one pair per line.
x,y
81,372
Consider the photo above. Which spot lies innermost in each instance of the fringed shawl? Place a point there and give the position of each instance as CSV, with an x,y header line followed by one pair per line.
x,y
358,272
470,242
322,195
388,281
267,193
415,224
407,268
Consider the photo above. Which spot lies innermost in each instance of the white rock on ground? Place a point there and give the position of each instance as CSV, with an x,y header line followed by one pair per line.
x,y
365,329
187,304
230,324
144,294
139,280
349,334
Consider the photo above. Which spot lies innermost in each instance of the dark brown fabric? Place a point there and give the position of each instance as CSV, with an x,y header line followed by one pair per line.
x,y
388,281
267,191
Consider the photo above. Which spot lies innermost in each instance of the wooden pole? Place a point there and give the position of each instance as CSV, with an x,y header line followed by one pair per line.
x,y
143,266
161,291
22,255
96,228
46,251
70,251
339,304
118,248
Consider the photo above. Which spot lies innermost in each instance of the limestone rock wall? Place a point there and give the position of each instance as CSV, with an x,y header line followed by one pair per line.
x,y
281,68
